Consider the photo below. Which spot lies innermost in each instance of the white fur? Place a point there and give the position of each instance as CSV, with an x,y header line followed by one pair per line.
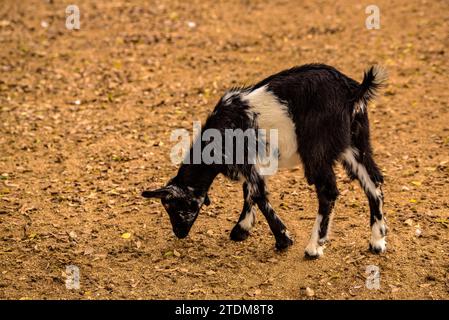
x,y
380,74
248,222
380,77
314,249
377,239
273,114
229,95
359,169
359,107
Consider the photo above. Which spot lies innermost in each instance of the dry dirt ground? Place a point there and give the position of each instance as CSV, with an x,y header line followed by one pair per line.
x,y
86,118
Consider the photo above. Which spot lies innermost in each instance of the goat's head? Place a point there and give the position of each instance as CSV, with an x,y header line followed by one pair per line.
x,y
182,203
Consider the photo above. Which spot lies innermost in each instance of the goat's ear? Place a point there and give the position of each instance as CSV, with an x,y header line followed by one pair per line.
x,y
207,200
158,193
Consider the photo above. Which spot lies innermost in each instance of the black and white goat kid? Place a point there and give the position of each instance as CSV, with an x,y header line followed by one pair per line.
x,y
321,116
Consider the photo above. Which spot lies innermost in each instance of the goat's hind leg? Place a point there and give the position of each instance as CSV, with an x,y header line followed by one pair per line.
x,y
370,178
247,218
327,192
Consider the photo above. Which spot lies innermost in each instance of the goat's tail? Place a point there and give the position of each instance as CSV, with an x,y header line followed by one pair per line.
x,y
373,79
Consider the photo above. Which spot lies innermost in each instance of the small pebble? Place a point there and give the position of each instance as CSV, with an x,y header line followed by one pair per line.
x,y
310,292
72,235
418,232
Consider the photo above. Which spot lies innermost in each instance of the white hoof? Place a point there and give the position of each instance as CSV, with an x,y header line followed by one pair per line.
x,y
378,245
314,250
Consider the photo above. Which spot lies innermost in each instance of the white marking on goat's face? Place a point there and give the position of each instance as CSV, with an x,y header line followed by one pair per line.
x,y
314,247
271,113
183,210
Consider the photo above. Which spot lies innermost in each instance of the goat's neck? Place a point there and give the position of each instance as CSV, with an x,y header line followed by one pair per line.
x,y
198,176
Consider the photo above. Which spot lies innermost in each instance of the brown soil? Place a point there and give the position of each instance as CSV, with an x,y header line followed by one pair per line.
x,y
85,126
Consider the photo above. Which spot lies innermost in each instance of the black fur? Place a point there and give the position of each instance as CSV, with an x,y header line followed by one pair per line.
x,y
238,233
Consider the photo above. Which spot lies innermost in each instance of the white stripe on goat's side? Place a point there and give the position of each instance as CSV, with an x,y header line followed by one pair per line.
x,y
271,113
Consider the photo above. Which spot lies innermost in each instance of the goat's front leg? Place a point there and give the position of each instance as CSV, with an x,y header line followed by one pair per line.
x,y
258,193
247,218
280,232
